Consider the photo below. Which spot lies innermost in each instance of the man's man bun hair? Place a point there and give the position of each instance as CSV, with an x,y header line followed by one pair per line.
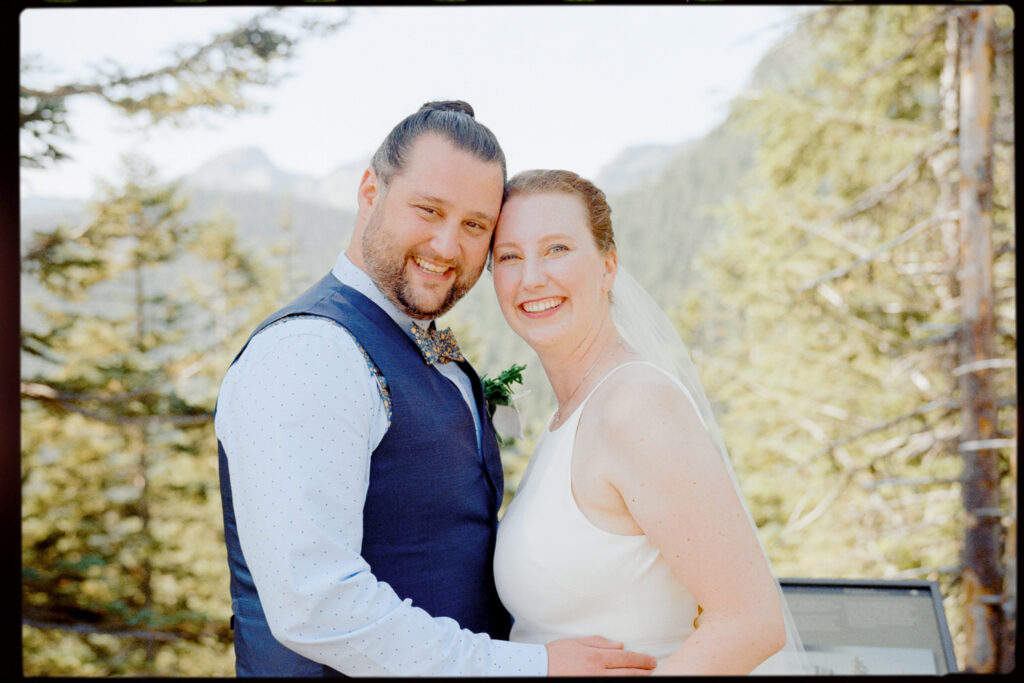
x,y
450,105
454,120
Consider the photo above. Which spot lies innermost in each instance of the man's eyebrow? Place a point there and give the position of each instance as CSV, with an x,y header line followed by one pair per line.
x,y
444,203
483,217
430,198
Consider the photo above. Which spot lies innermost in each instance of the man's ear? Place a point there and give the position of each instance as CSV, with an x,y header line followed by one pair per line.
x,y
369,191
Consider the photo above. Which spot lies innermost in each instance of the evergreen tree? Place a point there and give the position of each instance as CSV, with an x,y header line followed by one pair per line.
x,y
121,531
828,321
129,322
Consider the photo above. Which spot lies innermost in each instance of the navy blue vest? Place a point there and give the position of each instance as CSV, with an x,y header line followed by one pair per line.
x,y
430,516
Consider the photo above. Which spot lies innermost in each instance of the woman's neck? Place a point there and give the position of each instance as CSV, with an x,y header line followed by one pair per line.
x,y
568,370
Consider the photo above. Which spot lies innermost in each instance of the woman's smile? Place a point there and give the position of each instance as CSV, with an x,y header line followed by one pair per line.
x,y
536,308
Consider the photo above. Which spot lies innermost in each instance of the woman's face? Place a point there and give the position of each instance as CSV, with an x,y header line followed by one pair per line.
x,y
551,280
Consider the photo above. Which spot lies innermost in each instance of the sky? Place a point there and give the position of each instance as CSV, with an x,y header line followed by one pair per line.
x,y
562,86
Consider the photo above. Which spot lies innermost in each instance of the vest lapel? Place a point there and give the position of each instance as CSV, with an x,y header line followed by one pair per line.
x,y
489,452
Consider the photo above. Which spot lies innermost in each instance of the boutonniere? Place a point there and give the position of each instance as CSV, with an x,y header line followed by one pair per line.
x,y
501,403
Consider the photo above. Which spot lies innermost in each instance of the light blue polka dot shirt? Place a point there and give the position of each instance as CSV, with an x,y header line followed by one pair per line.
x,y
299,415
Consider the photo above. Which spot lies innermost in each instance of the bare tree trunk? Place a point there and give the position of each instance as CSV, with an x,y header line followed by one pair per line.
x,y
142,443
1008,645
983,540
1003,128
149,646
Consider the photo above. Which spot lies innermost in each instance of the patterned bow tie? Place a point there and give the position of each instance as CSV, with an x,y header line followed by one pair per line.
x,y
436,345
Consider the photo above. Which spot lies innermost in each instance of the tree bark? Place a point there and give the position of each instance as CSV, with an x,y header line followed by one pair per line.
x,y
983,540
141,441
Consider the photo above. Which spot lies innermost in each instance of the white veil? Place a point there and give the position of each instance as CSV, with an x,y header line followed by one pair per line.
x,y
647,329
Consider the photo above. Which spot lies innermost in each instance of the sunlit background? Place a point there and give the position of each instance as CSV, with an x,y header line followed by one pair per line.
x,y
794,185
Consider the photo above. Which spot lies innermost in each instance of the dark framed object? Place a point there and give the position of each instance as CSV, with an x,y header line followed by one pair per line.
x,y
868,626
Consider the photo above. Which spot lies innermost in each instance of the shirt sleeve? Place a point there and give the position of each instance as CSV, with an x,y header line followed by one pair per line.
x,y
299,415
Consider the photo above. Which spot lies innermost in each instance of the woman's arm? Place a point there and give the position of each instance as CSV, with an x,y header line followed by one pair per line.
x,y
676,488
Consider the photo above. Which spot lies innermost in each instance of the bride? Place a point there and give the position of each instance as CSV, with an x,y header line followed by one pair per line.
x,y
628,521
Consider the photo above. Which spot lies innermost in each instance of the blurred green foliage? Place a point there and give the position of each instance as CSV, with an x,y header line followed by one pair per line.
x,y
121,517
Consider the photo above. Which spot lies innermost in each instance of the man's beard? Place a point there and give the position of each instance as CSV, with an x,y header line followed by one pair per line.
x,y
386,266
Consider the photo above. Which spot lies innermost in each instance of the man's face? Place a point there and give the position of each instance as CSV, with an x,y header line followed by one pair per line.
x,y
428,232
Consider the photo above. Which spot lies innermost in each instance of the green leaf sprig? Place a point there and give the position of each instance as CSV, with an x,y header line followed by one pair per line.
x,y
498,391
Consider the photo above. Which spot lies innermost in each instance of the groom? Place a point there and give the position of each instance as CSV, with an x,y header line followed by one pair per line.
x,y
360,475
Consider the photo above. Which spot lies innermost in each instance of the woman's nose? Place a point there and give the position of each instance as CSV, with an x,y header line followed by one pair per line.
x,y
534,274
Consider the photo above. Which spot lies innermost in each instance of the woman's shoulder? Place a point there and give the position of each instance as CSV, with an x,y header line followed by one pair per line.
x,y
636,394
637,378
639,417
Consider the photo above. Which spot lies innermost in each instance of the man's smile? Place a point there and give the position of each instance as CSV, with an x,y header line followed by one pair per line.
x,y
430,267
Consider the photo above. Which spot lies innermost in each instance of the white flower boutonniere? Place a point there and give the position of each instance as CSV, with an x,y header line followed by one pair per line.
x,y
501,403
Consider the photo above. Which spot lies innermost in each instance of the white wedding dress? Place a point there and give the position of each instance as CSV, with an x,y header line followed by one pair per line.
x,y
561,576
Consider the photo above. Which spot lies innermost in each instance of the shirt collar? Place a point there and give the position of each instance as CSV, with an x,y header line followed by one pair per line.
x,y
356,278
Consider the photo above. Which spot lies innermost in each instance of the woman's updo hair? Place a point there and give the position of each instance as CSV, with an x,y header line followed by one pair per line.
x,y
539,181
453,119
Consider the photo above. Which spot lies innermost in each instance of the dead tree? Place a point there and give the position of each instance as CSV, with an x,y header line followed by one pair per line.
x,y
983,572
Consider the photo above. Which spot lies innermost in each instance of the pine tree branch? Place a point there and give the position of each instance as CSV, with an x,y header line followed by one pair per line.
x,y
42,390
1005,248
840,312
823,231
919,35
934,340
92,619
110,631
948,405
796,523
124,632
908,481
872,197
826,115
185,63
882,249
210,75
939,438
875,195
179,420
951,570
68,402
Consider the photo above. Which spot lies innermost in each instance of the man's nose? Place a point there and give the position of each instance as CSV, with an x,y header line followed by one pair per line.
x,y
445,242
